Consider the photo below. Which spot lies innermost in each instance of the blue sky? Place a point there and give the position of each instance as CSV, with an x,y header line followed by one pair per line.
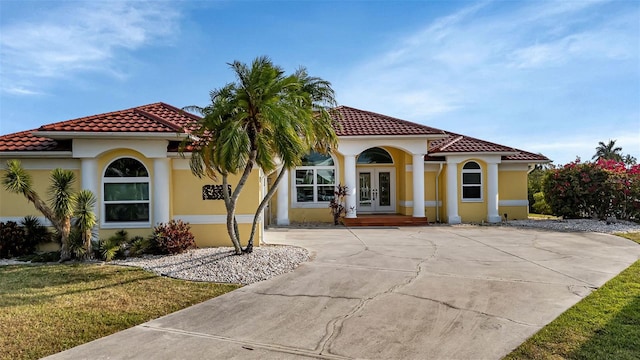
x,y
548,77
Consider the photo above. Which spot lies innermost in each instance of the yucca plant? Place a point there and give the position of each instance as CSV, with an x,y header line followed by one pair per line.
x,y
85,217
62,200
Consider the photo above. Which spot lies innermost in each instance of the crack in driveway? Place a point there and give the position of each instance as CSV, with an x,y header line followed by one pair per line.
x,y
334,327
469,310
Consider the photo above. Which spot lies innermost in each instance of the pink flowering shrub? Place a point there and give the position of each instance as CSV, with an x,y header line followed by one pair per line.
x,y
602,189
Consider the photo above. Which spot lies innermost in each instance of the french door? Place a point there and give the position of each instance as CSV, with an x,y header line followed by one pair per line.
x,y
376,190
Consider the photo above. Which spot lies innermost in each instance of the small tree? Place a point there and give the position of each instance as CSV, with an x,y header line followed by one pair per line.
x,y
62,201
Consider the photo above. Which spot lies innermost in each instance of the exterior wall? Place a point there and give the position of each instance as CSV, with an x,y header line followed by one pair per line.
x,y
16,205
513,191
430,175
207,218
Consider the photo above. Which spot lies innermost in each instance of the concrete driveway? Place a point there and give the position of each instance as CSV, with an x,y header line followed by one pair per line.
x,y
434,292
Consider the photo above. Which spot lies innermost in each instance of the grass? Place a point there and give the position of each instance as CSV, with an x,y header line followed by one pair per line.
x,y
604,325
541,216
46,309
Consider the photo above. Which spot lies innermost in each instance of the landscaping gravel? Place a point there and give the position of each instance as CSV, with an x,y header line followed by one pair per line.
x,y
600,226
267,261
221,265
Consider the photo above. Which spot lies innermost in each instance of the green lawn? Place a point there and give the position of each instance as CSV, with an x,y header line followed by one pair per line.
x,y
541,216
49,308
604,325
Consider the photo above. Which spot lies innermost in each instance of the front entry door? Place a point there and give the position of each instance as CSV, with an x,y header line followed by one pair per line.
x,y
376,190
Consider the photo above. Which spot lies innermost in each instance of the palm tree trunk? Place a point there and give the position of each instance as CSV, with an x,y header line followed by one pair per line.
x,y
261,207
232,226
65,253
236,193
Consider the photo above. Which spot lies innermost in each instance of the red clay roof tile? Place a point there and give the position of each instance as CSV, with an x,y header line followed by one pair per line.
x,y
355,122
163,118
158,118
26,141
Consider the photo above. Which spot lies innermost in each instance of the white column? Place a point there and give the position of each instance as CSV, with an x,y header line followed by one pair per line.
x,y
282,214
418,185
161,190
350,182
89,175
452,193
492,193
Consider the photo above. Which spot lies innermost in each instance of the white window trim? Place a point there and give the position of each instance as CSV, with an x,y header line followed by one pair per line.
x,y
314,204
118,180
462,185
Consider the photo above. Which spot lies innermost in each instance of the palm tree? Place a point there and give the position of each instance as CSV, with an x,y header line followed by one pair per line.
x,y
85,217
61,201
608,151
263,119
61,198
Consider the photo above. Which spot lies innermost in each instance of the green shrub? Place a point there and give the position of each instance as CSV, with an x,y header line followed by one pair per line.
x,y
173,237
35,232
602,189
12,240
139,246
114,247
539,205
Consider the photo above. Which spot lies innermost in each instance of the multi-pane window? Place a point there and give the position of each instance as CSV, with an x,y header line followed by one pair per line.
x,y
315,180
471,181
126,192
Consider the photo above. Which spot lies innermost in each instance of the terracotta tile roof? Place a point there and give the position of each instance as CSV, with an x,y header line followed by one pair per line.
x,y
163,118
157,118
355,122
457,143
25,141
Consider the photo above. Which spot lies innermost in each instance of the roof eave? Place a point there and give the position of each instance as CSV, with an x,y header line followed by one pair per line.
x,y
500,153
66,135
416,136
527,161
35,154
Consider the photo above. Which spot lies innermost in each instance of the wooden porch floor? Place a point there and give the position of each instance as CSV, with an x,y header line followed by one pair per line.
x,y
385,220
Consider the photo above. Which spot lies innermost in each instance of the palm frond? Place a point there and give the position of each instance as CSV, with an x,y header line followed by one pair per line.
x,y
60,192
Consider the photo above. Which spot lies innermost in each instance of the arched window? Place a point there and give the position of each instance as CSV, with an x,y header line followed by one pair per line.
x,y
375,155
315,179
471,181
126,192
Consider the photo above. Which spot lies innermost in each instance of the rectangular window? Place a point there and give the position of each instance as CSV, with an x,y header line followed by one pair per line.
x,y
126,202
314,184
471,192
127,212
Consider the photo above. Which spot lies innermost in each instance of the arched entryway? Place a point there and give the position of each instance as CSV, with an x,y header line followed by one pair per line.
x,y
376,188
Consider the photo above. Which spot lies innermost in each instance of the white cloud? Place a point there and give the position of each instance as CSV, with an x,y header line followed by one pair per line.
x,y
18,90
512,70
80,37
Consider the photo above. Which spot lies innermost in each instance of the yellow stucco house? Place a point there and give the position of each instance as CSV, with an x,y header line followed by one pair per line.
x,y
130,160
